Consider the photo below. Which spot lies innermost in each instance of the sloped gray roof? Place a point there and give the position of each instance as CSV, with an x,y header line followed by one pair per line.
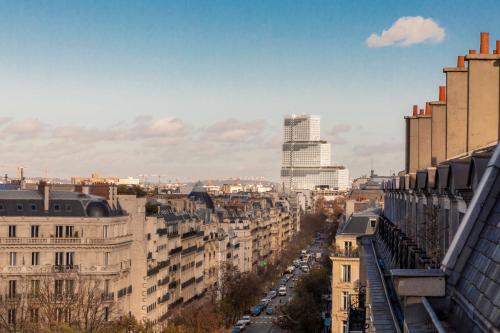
x,y
472,262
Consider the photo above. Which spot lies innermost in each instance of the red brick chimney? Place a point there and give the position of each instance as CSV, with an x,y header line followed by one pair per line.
x,y
415,110
461,61
497,49
484,47
472,52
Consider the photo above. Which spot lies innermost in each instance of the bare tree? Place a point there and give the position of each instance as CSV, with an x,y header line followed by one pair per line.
x,y
56,303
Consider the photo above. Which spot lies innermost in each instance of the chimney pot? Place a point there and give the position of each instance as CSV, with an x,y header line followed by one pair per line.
x,y
427,108
461,61
442,93
497,47
472,51
415,110
484,47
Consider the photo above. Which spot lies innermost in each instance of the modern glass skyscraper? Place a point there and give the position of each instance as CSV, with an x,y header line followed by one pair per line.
x,y
306,159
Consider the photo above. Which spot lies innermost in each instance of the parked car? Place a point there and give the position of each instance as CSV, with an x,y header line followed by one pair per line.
x,y
241,324
256,310
272,294
305,268
246,320
282,291
236,329
269,311
265,301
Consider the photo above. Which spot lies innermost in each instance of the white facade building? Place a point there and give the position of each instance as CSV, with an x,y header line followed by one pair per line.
x,y
306,159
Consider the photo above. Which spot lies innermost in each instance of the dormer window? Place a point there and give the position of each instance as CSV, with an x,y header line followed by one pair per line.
x,y
33,207
20,207
57,208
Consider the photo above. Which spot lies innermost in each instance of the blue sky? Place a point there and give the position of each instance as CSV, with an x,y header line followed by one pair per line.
x,y
197,89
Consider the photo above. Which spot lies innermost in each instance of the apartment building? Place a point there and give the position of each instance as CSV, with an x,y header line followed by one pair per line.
x,y
346,268
60,240
441,231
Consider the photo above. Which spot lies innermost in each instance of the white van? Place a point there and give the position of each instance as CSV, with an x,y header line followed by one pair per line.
x,y
305,269
282,291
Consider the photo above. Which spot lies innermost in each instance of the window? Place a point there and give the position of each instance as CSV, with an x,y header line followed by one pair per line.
x,y
106,286
57,208
105,231
12,258
346,273
35,287
345,300
59,259
33,207
35,231
106,258
106,314
12,288
2,208
348,247
34,315
69,258
20,207
58,287
12,231
69,287
68,208
69,231
11,316
35,258
372,223
59,231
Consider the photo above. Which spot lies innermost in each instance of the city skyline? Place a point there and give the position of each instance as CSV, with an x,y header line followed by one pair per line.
x,y
188,89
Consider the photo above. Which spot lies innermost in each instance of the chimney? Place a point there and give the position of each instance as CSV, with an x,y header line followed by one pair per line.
x,y
484,47
497,49
415,110
461,61
421,111
427,108
44,188
442,93
472,51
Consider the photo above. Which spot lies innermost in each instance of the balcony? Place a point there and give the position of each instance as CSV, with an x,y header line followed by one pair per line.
x,y
64,240
108,297
345,252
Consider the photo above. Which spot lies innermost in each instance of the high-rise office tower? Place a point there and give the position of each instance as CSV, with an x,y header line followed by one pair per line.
x,y
306,159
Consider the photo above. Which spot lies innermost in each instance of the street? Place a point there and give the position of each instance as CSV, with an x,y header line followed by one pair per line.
x,y
265,323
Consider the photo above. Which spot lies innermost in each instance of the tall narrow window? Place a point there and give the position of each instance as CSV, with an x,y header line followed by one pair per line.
x,y
35,288
12,231
348,247
12,258
105,231
106,258
35,258
59,259
58,287
345,326
345,300
346,273
34,315
69,231
59,231
11,316
35,229
12,288
69,287
69,259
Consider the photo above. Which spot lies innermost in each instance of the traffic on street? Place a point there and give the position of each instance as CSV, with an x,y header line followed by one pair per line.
x,y
267,315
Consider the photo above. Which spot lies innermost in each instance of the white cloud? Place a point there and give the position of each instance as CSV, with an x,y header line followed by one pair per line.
x,y
408,30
